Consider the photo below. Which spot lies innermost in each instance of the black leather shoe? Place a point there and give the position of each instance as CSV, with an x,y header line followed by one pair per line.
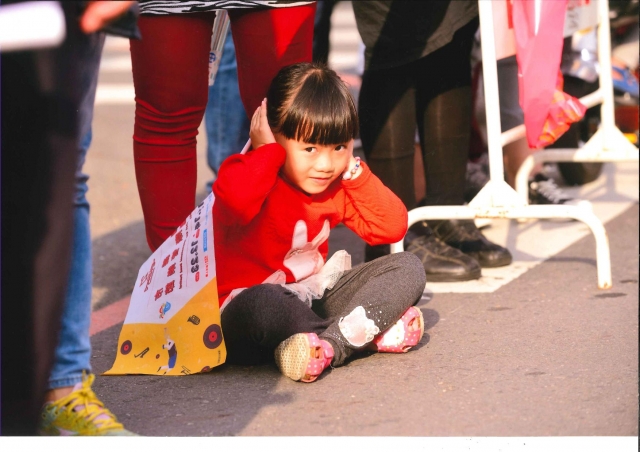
x,y
466,237
372,252
441,262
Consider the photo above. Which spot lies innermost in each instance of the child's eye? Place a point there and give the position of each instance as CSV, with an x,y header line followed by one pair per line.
x,y
340,147
310,149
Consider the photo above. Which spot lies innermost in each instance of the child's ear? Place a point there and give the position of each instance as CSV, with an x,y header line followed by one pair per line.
x,y
278,136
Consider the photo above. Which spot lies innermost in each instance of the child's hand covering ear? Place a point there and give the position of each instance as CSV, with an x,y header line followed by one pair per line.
x,y
260,131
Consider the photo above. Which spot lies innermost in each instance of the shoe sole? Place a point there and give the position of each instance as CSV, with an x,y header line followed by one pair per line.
x,y
421,323
454,278
292,356
498,263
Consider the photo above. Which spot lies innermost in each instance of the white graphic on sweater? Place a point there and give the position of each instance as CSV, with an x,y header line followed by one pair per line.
x,y
304,259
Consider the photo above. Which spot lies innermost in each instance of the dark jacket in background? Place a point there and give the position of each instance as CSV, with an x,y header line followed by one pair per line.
x,y
401,31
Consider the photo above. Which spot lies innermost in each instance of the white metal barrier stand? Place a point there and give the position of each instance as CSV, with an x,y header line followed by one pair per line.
x,y
497,199
608,144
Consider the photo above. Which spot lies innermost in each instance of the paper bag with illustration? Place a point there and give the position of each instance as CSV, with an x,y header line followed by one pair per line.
x,y
172,326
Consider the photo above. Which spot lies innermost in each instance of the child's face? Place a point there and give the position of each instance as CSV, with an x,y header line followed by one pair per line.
x,y
313,167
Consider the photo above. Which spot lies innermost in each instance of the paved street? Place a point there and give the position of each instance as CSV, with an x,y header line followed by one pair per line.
x,y
534,349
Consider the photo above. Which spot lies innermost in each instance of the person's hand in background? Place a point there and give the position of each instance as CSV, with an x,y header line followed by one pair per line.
x,y
100,13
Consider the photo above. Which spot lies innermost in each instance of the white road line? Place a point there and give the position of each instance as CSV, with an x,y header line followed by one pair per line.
x,y
342,15
345,37
343,61
118,63
115,94
122,93
344,33
338,60
114,44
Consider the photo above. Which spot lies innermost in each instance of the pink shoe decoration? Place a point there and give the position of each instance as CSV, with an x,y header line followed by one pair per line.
x,y
403,335
303,357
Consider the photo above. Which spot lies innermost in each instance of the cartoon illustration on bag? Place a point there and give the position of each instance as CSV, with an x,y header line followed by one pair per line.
x,y
170,347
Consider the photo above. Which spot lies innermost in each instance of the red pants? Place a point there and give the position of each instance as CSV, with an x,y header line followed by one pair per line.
x,y
170,69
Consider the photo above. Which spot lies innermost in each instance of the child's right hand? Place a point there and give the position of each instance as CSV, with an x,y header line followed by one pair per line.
x,y
260,132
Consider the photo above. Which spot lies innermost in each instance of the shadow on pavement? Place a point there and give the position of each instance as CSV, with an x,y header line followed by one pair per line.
x,y
219,403
117,257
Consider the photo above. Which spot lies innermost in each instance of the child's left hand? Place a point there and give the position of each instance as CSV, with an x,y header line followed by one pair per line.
x,y
260,132
354,164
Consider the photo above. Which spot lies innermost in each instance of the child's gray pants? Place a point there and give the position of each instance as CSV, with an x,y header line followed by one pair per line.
x,y
369,296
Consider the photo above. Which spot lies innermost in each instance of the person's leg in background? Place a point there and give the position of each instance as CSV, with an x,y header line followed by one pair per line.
x,y
267,40
74,347
40,96
226,122
73,353
170,80
443,108
170,67
511,116
444,117
387,108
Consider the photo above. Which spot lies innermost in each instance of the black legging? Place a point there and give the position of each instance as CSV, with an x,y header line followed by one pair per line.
x,y
433,92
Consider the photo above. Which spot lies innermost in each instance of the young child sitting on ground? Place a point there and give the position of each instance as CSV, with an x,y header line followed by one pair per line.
x,y
273,211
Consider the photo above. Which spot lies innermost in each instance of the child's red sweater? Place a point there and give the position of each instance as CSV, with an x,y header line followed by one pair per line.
x,y
263,224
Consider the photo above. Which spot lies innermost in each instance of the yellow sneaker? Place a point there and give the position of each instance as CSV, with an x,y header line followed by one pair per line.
x,y
80,413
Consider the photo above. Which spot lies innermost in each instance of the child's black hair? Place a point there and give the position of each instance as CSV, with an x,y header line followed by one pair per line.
x,y
308,102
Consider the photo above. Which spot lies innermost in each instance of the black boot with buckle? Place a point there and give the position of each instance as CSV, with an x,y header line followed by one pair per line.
x,y
466,237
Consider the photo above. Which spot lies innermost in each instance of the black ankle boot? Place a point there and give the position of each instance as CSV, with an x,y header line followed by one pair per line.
x,y
466,237
441,262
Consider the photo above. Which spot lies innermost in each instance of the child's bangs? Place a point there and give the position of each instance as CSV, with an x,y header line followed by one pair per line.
x,y
321,112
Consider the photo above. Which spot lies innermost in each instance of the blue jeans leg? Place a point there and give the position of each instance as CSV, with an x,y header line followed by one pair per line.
x,y
226,121
73,352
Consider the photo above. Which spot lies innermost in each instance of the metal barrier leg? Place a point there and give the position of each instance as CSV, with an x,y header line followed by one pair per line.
x,y
603,256
522,178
